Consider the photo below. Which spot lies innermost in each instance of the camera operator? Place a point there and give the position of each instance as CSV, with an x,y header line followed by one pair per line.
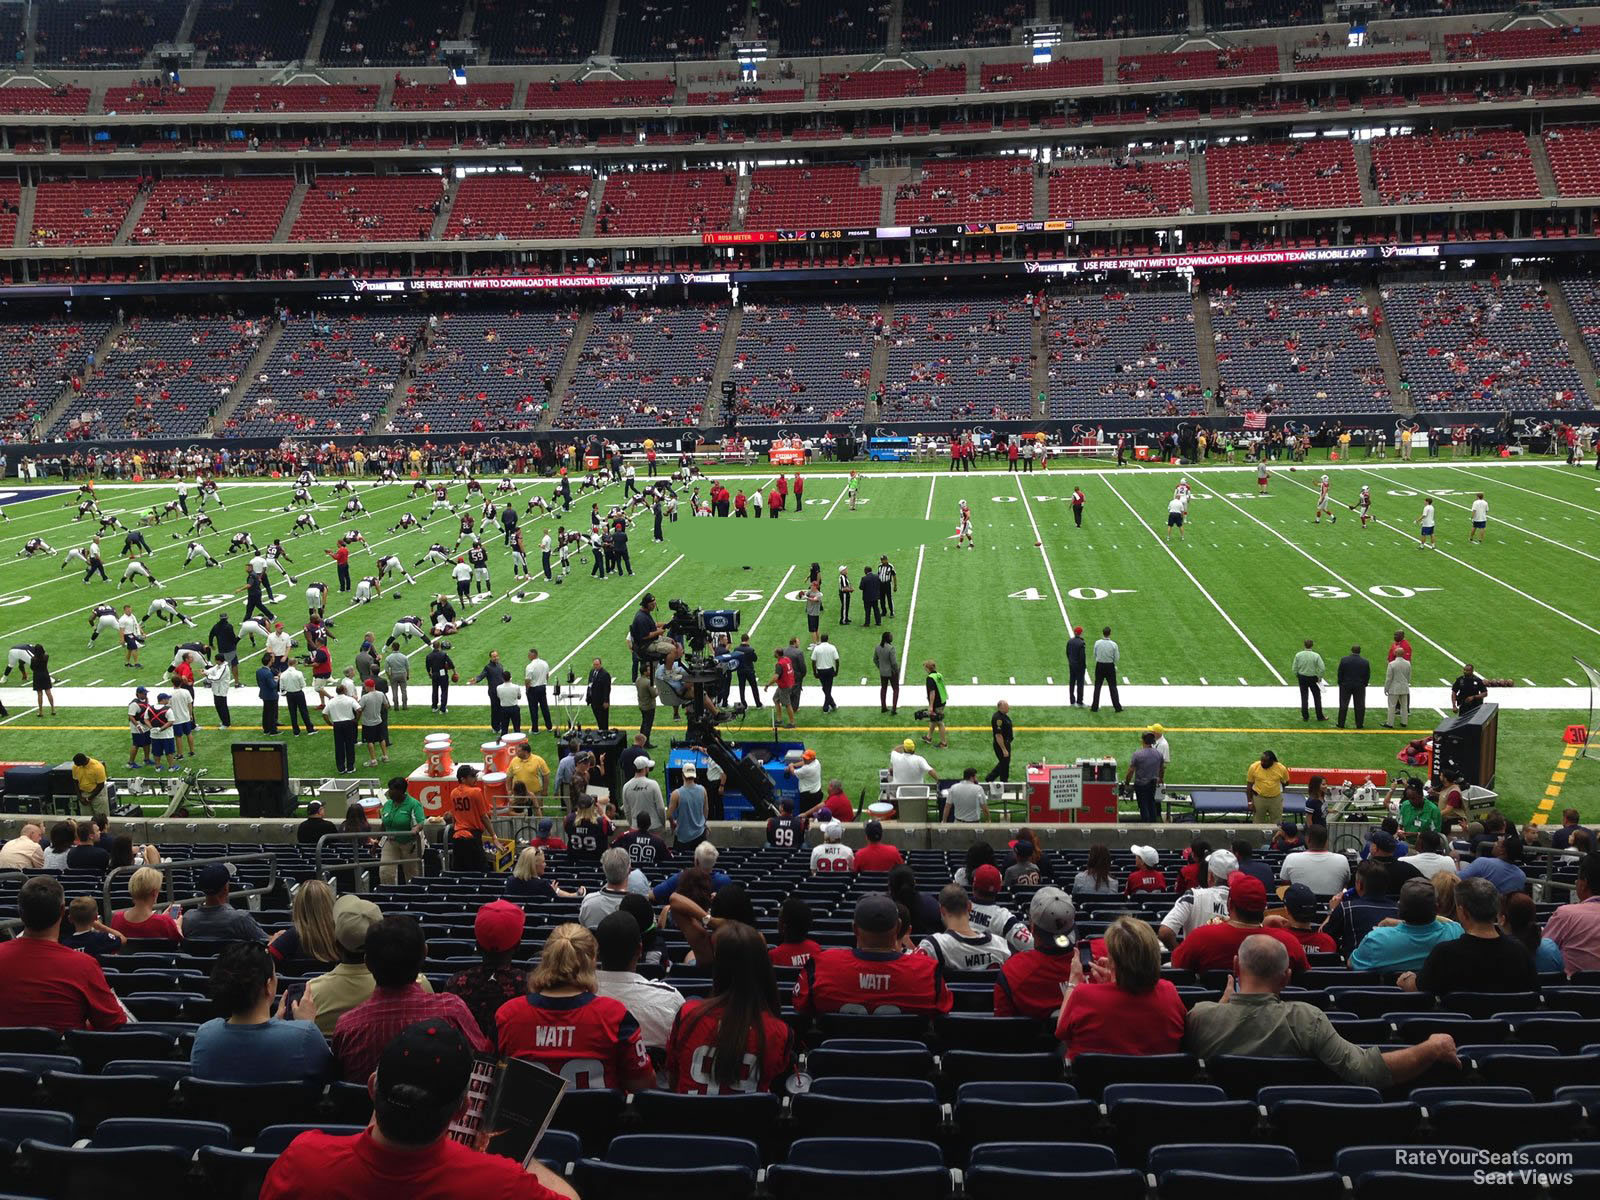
x,y
644,630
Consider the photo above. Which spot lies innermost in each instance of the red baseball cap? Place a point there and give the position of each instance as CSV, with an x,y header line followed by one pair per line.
x,y
499,925
1247,893
986,879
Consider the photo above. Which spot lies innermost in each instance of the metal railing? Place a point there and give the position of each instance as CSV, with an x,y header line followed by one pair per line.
x,y
1548,887
327,869
185,864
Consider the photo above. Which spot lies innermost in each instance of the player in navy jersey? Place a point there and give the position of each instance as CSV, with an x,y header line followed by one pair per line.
x,y
873,976
564,1025
735,1041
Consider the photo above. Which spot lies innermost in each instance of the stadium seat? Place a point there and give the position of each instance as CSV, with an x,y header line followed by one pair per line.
x,y
18,1086
1022,1112
1567,1034
1371,1003
247,1108
893,1108
650,1165
20,1124
173,1069
1000,1170
1500,1126
275,1139
133,1132
95,1049
79,1173
593,1114
1006,1035
94,1098
1301,1117
1143,1116
40,1063
1091,1073
880,1060
1542,1075
1242,1075
558,1149
753,1117
26,1039
866,1169
972,1066
888,1027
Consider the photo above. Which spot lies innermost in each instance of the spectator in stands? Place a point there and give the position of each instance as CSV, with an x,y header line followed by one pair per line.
x,y
46,984
872,974
1482,959
246,1045
25,852
1299,917
654,1004
831,854
1559,836
1406,946
795,946
142,921
310,934
1146,875
705,857
348,984
527,880
88,934
1575,927
1250,865
1522,924
87,854
1383,848
1025,871
1358,910
877,855
1122,1006
1200,905
1430,857
1096,879
1501,868
418,1090
1416,811
1212,946
565,1025
484,988
314,826
395,953
597,906
216,920
1252,1018
736,1041
1193,872
1032,981
960,946
122,854
923,908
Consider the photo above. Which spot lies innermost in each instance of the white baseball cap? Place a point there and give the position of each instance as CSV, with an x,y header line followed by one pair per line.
x,y
1148,855
833,831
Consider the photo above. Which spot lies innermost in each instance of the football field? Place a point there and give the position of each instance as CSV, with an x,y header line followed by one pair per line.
x,y
1208,623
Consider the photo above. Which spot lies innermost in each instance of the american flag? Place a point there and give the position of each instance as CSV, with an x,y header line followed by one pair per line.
x,y
1255,420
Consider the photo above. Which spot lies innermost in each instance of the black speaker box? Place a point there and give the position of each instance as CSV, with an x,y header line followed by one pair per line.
x,y
261,771
1466,745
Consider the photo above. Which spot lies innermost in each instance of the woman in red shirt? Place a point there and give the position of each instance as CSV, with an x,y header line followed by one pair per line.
x,y
1124,1006
735,1041
142,920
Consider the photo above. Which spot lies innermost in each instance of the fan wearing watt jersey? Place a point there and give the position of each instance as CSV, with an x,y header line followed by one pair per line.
x,y
873,976
564,1025
960,946
832,855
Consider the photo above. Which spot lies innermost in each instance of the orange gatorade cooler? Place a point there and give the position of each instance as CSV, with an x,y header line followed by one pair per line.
x,y
496,757
436,755
512,741
496,790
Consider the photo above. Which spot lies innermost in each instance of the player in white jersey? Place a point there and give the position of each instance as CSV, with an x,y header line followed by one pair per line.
x,y
251,628
107,524
406,521
407,628
964,527
1480,519
519,556
1183,492
102,619
391,565
196,550
86,507
1363,506
304,479
210,494
167,609
137,568
387,475
74,555
304,523
420,485
194,654
33,546
1325,503
317,599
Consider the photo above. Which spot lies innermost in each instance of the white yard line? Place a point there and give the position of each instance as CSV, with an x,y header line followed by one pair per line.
x,y
784,582
1494,520
1408,536
1045,554
1531,491
1210,599
1399,621
625,607
916,585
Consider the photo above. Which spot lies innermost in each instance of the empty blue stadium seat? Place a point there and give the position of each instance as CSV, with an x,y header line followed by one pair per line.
x,y
275,1139
248,1108
754,1117
1227,1160
95,1048
94,1098
864,1057
1502,1126
1000,1170
865,1169
1023,1113
1091,1073
133,1132
847,1107
1242,1075
651,1165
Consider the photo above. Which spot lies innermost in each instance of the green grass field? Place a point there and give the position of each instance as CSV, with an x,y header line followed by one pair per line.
x,y
1208,625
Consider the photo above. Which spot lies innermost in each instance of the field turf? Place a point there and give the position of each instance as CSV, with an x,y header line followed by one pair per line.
x,y
1208,625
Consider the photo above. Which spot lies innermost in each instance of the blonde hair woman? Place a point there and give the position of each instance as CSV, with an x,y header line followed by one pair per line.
x,y
311,934
1123,1006
607,1051
527,880
142,921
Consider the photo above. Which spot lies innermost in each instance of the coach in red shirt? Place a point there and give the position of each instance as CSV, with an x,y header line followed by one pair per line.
x,y
873,976
419,1088
875,855
46,983
1400,647
1213,947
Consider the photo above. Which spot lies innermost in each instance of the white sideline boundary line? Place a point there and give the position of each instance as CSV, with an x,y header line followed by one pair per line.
x,y
1210,599
604,625
1533,492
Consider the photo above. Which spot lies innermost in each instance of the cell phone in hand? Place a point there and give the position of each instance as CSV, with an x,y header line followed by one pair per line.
x,y
1086,955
